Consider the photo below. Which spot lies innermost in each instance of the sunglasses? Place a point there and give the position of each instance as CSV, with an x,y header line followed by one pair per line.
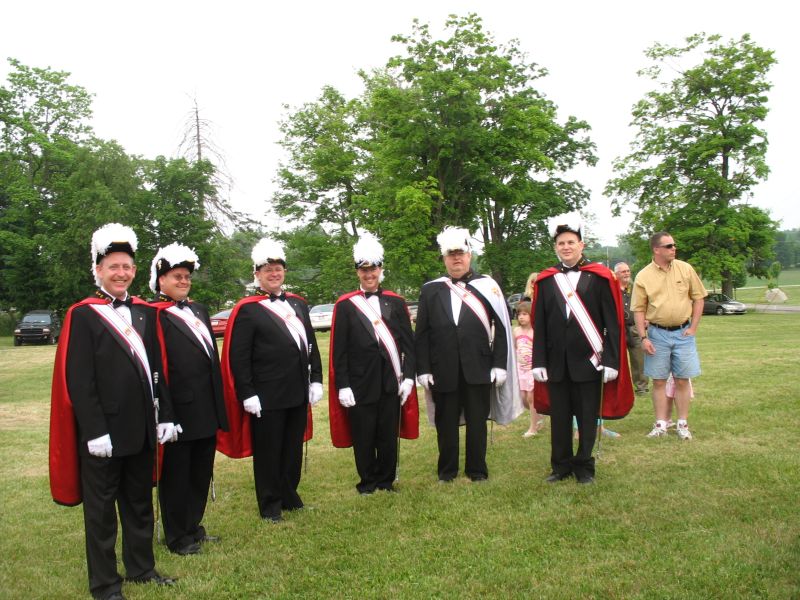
x,y
669,246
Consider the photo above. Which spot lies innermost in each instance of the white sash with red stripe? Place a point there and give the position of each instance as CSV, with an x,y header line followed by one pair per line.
x,y
126,332
381,331
588,327
474,304
196,326
289,318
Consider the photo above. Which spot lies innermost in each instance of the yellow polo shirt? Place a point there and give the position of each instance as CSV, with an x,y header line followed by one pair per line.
x,y
665,296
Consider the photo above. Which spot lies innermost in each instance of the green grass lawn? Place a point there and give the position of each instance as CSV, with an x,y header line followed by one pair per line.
x,y
713,518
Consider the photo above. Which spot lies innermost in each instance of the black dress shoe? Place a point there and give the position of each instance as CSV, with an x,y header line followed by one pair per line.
x,y
275,519
154,578
478,478
112,596
193,548
210,538
586,480
555,477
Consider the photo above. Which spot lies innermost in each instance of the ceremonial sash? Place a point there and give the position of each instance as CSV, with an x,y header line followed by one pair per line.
x,y
475,305
290,319
196,326
125,332
382,331
588,327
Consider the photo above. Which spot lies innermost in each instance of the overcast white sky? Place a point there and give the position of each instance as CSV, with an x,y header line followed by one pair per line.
x,y
145,61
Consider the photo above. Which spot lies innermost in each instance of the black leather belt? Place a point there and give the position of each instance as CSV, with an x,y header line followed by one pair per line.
x,y
671,327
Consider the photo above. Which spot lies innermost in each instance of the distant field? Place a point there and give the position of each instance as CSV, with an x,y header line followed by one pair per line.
x,y
753,292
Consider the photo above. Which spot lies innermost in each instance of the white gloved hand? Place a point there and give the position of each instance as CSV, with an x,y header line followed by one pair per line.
x,y
253,406
540,374
100,446
346,397
178,428
166,433
498,376
425,380
609,374
314,393
405,390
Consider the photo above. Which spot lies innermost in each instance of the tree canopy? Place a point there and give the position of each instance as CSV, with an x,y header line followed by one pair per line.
x,y
699,150
452,132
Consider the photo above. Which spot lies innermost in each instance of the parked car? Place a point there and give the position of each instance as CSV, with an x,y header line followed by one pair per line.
x,y
219,322
38,326
413,306
321,316
512,302
720,304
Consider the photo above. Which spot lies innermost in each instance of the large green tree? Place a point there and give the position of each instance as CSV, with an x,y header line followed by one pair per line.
x,y
699,150
452,132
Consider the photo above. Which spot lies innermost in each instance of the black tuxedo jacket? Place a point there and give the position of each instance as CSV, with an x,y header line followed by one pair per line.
x,y
266,361
109,391
441,344
559,343
359,360
195,380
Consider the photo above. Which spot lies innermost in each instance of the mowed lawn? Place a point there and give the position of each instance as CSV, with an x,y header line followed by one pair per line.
x,y
716,517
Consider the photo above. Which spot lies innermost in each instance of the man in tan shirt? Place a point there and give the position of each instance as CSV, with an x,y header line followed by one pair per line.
x,y
668,294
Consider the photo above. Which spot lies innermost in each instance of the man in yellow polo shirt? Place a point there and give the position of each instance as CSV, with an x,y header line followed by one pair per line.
x,y
668,295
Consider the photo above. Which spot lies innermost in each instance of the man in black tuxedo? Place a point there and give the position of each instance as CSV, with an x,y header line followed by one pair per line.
x,y
462,349
276,370
195,385
104,373
563,352
372,360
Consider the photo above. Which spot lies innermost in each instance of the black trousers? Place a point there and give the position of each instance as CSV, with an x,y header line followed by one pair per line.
x,y
278,458
118,483
581,399
185,478
374,429
473,400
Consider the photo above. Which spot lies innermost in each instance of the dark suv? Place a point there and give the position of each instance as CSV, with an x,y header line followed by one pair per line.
x,y
38,326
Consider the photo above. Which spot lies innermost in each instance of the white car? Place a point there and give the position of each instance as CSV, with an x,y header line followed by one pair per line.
x,y
321,316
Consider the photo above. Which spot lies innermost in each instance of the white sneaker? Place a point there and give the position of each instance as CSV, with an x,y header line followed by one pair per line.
x,y
670,424
683,432
657,432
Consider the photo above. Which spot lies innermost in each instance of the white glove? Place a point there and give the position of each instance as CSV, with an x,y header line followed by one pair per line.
x,y
609,374
405,390
540,374
346,397
178,428
253,406
498,376
166,433
425,380
100,446
314,393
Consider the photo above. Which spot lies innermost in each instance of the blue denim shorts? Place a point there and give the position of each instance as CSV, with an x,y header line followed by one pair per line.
x,y
675,353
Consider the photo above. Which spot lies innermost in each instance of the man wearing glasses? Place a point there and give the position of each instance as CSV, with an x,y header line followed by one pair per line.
x,y
668,294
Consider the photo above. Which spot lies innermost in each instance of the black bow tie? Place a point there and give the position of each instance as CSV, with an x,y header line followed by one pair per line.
x,y
566,269
127,302
182,303
463,279
273,297
375,293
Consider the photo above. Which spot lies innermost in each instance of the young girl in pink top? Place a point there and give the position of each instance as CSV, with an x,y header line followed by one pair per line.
x,y
523,342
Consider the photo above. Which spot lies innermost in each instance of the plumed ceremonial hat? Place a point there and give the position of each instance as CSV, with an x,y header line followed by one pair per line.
x,y
267,251
452,239
368,252
171,257
112,237
568,222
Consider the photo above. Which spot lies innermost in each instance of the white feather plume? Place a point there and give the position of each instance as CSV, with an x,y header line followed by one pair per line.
x,y
105,236
368,250
174,254
571,219
453,238
266,250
